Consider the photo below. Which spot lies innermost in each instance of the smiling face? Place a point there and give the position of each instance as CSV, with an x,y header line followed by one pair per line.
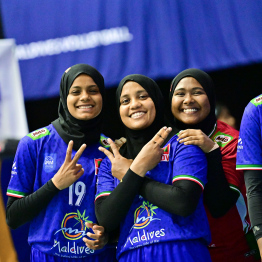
x,y
190,103
84,100
137,109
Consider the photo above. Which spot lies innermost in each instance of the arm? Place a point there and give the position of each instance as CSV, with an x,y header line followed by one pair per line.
x,y
32,204
218,196
110,210
253,181
181,198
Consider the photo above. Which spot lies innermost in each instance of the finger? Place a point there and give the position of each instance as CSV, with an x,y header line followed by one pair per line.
x,y
69,151
119,142
78,154
93,244
97,228
89,225
161,135
95,236
113,147
107,153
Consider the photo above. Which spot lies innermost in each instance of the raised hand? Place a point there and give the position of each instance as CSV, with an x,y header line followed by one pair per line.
x,y
119,142
198,138
100,237
70,171
150,155
120,164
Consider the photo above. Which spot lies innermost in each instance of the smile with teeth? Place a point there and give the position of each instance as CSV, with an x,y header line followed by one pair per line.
x,y
190,110
84,107
137,115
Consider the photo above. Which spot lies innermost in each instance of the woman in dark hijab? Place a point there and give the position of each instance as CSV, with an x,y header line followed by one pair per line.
x,y
153,193
54,176
192,102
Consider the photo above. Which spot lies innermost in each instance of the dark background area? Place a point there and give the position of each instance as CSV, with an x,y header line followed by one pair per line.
x,y
235,87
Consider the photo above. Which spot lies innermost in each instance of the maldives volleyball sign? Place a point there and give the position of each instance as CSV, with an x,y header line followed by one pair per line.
x,y
154,38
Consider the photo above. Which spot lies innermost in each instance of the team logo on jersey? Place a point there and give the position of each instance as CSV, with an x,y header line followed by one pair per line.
x,y
39,133
144,215
165,156
97,164
49,163
13,172
73,225
222,139
104,142
239,144
257,101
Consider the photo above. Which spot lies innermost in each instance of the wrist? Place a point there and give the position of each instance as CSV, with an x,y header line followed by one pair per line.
x,y
215,146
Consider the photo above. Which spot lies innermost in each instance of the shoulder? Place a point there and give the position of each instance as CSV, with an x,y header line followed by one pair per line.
x,y
224,134
41,132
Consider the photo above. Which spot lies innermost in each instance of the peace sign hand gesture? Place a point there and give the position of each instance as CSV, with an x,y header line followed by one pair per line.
x,y
120,164
150,155
70,171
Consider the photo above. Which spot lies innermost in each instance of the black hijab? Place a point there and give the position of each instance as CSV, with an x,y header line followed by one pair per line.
x,y
136,139
67,126
207,125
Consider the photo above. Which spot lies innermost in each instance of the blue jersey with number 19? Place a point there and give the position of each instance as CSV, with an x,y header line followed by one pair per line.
x,y
146,224
59,228
249,149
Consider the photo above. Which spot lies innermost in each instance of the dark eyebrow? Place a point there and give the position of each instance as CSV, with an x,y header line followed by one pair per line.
x,y
138,92
194,88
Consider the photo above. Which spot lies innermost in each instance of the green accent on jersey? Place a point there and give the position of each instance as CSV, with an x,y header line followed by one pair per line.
x,y
105,193
102,141
249,167
221,139
15,193
186,177
257,101
235,188
39,133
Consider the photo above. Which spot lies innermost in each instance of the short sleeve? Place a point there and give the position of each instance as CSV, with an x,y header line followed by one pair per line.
x,y
249,149
105,180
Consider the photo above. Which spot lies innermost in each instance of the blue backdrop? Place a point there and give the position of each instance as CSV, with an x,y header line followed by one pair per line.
x,y
151,37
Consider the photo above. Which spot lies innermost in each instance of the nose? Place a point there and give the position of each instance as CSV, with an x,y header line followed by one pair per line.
x,y
135,103
84,96
188,99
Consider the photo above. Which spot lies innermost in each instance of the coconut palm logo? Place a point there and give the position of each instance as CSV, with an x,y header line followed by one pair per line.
x,y
73,225
144,215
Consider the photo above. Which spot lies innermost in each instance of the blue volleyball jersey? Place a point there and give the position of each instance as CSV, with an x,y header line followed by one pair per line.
x,y
147,224
59,228
249,149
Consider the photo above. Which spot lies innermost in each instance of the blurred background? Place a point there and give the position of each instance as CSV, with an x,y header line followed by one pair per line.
x,y
41,39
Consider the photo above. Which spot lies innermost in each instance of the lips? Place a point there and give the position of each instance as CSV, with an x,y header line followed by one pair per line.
x,y
85,106
190,110
137,115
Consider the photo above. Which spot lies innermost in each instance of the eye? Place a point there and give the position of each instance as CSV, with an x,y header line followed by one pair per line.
x,y
94,91
74,92
124,101
199,92
143,96
179,93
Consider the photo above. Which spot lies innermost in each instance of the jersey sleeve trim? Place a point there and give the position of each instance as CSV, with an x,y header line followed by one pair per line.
x,y
248,167
191,178
105,193
14,193
235,188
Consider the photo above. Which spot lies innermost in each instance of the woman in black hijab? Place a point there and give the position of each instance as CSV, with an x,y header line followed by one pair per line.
x,y
55,181
158,209
192,102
